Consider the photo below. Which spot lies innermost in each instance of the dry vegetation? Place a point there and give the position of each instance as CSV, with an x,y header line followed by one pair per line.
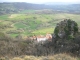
x,y
53,57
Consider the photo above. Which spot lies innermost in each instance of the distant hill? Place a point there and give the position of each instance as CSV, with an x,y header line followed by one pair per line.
x,y
57,3
16,7
60,3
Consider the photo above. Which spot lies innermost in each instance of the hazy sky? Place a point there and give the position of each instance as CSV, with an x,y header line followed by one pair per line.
x,y
41,1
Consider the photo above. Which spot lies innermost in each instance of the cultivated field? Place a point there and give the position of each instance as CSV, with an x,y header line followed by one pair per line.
x,y
28,24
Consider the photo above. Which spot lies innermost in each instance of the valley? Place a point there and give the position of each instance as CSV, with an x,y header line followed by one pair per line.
x,y
24,26
30,24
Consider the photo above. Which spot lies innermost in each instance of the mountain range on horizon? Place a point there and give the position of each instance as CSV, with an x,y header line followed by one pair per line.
x,y
61,3
15,7
48,3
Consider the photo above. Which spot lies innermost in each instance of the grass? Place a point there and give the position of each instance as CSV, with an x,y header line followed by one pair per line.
x,y
13,35
26,11
4,17
17,17
20,25
35,23
44,31
13,15
52,57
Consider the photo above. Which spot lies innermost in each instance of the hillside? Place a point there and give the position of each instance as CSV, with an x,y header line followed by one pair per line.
x,y
28,19
33,23
21,21
17,7
57,49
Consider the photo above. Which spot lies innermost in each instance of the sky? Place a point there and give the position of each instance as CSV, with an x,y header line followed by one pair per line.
x,y
41,1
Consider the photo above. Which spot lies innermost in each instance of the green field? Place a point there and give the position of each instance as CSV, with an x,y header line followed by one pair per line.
x,y
33,23
43,31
